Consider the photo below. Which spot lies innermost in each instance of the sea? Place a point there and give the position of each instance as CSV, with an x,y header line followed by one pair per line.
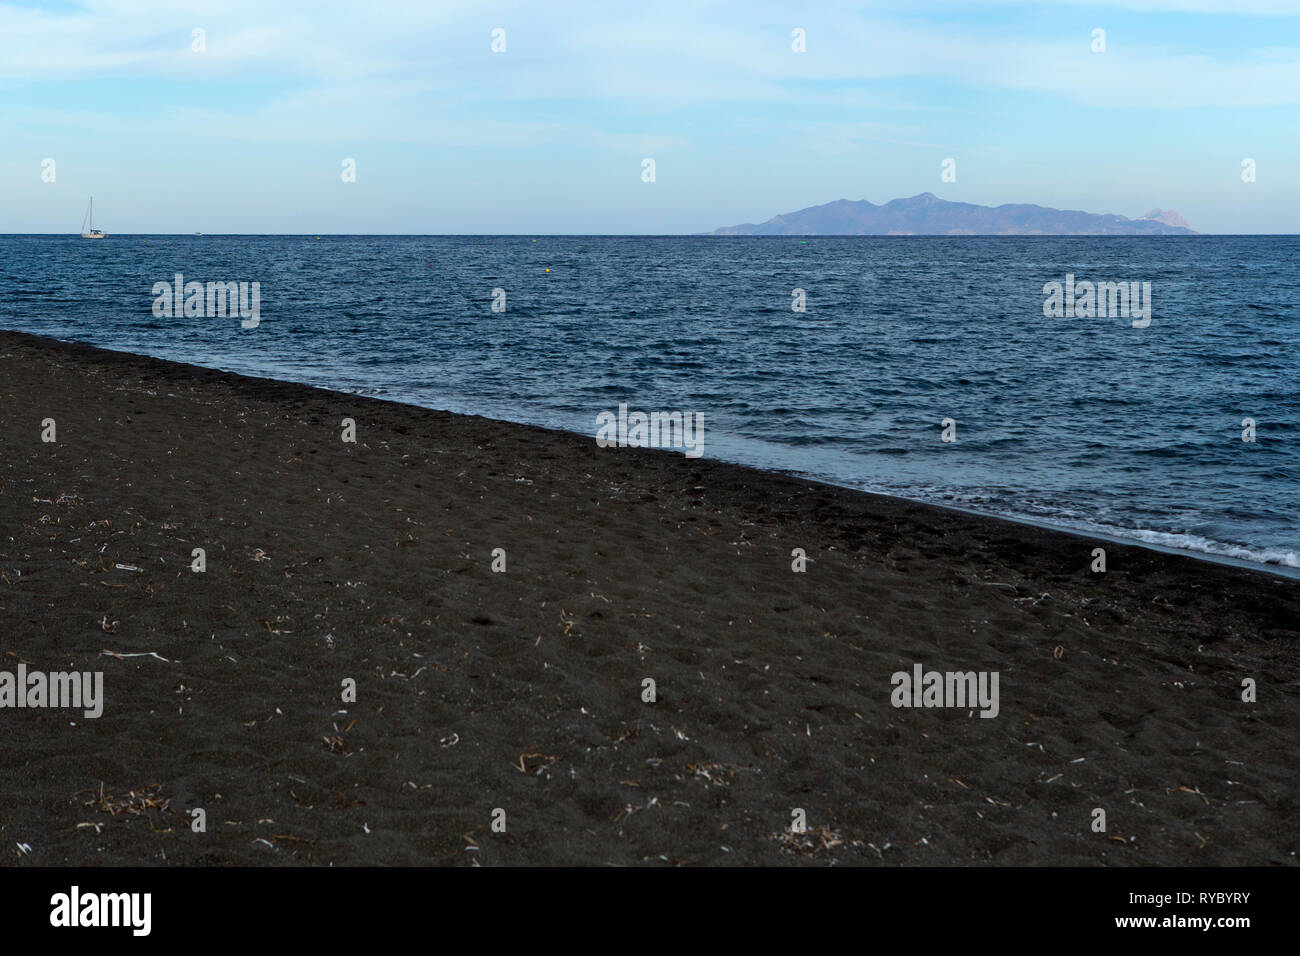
x,y
845,359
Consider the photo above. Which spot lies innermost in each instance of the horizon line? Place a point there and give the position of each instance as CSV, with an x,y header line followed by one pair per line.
x,y
678,235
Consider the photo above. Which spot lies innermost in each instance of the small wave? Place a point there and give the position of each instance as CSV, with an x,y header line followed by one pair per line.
x,y
1053,515
1195,542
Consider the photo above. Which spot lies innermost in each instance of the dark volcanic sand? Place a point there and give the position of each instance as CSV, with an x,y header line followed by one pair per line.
x,y
1118,690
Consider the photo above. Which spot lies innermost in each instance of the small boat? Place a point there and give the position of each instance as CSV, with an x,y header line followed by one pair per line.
x,y
92,232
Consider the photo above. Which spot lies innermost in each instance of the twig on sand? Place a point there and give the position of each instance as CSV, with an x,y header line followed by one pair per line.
x,y
1186,789
121,656
296,839
136,802
547,758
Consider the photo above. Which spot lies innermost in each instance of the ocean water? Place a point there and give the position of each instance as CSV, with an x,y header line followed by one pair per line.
x,y
1084,423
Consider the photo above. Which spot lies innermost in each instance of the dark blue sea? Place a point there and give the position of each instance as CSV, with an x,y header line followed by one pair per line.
x,y
1083,423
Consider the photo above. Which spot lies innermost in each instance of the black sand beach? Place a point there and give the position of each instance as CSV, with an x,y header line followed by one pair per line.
x,y
522,691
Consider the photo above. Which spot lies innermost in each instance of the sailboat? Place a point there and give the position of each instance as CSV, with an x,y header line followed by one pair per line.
x,y
92,232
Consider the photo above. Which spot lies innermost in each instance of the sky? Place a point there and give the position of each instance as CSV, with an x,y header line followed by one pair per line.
x,y
246,126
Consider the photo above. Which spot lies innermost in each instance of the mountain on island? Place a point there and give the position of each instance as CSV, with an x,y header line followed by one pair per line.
x,y
928,215
1169,218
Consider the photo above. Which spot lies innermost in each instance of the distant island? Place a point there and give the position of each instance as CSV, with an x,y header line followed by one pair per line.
x,y
928,215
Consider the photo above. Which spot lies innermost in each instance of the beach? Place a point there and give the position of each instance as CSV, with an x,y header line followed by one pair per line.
x,y
518,696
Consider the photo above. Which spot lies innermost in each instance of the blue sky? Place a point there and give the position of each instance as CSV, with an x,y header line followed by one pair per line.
x,y
249,135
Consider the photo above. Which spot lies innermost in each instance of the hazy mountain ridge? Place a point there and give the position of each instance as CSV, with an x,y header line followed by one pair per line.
x,y
1169,218
928,215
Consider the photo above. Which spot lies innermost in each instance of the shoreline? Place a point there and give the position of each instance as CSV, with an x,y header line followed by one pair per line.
x,y
1275,569
522,690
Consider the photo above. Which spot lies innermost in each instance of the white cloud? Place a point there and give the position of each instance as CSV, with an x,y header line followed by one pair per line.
x,y
422,71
